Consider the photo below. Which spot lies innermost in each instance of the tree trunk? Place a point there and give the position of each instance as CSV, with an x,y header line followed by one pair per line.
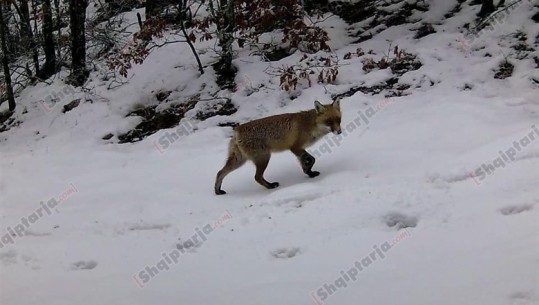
x,y
486,8
5,61
24,23
186,14
58,27
185,18
227,9
34,9
27,34
77,12
11,40
225,29
49,68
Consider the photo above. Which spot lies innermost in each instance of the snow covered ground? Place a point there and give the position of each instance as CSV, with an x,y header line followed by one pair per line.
x,y
431,198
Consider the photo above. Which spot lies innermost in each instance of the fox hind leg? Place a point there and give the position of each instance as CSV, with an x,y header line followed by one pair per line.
x,y
261,161
234,161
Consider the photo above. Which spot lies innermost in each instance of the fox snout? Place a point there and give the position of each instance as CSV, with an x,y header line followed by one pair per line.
x,y
334,125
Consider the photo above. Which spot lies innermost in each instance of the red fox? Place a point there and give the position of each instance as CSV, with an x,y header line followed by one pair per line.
x,y
256,140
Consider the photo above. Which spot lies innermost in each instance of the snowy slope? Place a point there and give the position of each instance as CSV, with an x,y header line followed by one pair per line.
x,y
399,215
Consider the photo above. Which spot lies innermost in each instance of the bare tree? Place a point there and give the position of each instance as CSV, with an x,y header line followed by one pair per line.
x,y
58,26
486,8
49,45
185,17
224,14
77,12
5,60
27,35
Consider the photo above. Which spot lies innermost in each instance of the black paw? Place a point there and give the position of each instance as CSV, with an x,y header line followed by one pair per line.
x,y
273,185
220,192
313,174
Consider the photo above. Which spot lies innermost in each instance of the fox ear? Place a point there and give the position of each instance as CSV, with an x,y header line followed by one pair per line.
x,y
319,107
337,103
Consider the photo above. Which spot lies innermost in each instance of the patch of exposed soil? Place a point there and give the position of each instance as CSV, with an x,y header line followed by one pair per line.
x,y
390,88
228,124
424,30
455,10
401,63
154,121
505,70
71,105
7,121
276,54
226,107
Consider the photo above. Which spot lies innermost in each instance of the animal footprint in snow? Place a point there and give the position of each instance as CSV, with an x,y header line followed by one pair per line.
x,y
522,298
13,257
141,227
147,227
515,209
9,257
400,221
285,252
188,245
83,265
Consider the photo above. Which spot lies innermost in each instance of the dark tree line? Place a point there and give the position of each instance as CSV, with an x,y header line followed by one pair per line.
x,y
33,29
5,60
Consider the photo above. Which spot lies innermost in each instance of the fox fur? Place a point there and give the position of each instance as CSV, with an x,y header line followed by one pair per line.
x,y
256,140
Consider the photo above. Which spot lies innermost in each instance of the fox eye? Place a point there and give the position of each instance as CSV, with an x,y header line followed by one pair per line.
x,y
333,121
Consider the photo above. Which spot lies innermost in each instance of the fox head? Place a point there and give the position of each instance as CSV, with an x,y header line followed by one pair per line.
x,y
329,115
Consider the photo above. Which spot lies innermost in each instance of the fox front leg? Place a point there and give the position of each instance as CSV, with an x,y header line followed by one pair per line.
x,y
307,161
